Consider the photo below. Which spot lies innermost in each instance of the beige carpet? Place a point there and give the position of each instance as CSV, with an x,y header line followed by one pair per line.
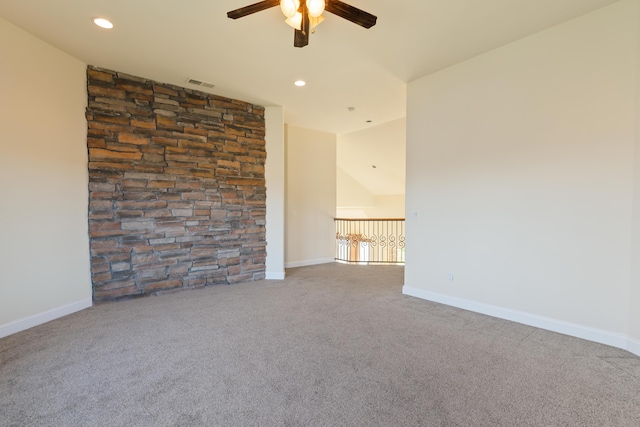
x,y
332,345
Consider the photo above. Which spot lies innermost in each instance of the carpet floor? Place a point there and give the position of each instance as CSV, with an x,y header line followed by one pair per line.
x,y
331,345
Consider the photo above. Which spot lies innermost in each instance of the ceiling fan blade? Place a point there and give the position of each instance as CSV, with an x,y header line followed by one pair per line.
x,y
350,13
248,10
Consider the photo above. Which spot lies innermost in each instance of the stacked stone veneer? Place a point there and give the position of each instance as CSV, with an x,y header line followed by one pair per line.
x,y
176,185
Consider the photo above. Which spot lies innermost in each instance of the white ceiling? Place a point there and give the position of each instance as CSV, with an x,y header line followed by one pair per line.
x,y
253,58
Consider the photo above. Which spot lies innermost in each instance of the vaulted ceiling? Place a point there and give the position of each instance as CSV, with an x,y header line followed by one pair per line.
x,y
253,58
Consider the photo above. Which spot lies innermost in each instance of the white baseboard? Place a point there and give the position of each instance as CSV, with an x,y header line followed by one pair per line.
x,y
542,322
309,262
274,275
40,318
633,346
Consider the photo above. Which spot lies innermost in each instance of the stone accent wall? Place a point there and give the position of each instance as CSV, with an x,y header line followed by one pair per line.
x,y
176,185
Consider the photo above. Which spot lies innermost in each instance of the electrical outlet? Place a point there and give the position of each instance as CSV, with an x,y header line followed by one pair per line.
x,y
450,277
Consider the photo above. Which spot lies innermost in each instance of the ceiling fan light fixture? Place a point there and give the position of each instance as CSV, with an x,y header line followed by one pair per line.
x,y
315,7
295,21
289,7
315,21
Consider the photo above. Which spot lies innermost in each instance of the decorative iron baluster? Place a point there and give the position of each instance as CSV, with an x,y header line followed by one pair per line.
x,y
370,241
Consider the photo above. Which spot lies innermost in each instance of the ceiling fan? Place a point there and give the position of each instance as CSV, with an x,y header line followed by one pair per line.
x,y
305,15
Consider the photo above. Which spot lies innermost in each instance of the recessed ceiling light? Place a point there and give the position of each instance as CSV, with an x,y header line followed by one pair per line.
x,y
369,121
300,83
103,23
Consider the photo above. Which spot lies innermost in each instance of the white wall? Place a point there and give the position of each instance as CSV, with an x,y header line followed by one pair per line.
x,y
311,196
44,249
388,207
382,146
364,191
380,207
355,201
634,300
350,193
274,176
520,166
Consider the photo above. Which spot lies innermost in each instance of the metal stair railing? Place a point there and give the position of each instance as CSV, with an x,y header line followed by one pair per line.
x,y
370,241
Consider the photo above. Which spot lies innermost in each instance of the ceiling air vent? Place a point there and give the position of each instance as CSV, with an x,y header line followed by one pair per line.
x,y
200,83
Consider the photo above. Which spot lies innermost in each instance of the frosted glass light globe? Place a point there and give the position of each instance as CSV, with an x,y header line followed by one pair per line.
x,y
316,7
289,7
